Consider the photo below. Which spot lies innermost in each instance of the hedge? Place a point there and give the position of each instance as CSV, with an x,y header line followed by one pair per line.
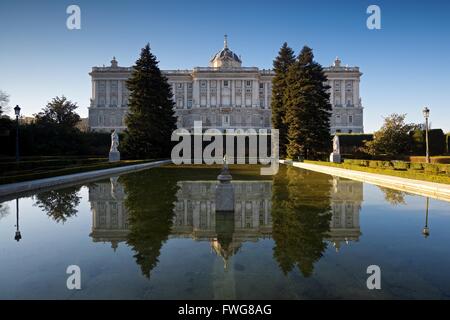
x,y
436,141
23,166
65,171
443,175
431,168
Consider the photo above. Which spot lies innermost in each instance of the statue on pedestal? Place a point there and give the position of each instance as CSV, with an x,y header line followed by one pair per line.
x,y
224,190
114,154
335,156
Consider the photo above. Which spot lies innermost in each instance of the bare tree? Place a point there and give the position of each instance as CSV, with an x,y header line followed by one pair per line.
x,y
4,101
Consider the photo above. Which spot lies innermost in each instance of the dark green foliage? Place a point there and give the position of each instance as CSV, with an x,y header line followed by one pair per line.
x,y
51,139
59,204
436,142
150,120
150,212
59,112
447,143
307,108
281,66
392,139
350,143
301,214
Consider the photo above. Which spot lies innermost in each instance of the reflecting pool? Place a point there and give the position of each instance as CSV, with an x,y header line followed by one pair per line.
x,y
155,234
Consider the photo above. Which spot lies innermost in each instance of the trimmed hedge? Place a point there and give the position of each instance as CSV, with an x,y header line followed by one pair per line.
x,y
6,168
65,171
436,140
429,174
430,168
352,142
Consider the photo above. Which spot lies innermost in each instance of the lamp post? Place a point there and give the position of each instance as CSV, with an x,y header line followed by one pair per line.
x,y
426,230
17,112
426,114
17,236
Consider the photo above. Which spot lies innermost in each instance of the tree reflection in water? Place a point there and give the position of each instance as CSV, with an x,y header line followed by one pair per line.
x,y
59,204
301,215
150,198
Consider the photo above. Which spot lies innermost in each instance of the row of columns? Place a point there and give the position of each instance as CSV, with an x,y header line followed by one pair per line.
x,y
196,93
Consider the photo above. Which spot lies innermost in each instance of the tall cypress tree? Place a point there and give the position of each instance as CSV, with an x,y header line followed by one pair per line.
x,y
281,66
308,108
150,120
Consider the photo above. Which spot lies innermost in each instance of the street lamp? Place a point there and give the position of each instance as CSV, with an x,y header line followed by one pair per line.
x,y
426,230
17,112
426,114
18,236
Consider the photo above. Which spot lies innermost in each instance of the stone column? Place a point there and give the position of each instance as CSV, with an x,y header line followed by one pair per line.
x,y
119,93
219,94
255,93
196,94
233,93
266,95
108,92
185,95
95,93
208,95
243,93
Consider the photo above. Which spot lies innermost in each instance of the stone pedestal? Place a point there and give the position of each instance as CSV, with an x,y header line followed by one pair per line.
x,y
225,197
114,156
225,191
335,158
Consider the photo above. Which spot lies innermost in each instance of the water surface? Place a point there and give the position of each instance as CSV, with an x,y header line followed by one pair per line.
x,y
155,234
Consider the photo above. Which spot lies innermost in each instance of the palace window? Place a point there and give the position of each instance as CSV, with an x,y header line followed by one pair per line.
x,y
203,84
248,83
261,85
225,83
179,85
190,85
189,103
350,119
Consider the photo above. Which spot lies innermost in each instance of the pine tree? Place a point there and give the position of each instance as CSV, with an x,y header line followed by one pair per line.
x,y
150,120
281,66
307,108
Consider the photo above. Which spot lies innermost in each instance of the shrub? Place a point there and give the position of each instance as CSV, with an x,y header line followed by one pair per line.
x,y
430,168
416,166
401,165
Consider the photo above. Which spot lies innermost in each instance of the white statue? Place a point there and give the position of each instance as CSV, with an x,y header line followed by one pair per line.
x,y
335,156
225,162
114,141
114,154
336,147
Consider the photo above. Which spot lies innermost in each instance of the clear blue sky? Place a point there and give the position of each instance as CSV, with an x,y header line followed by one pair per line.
x,y
406,64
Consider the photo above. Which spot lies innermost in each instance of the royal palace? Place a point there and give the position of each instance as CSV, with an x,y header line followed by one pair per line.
x,y
223,95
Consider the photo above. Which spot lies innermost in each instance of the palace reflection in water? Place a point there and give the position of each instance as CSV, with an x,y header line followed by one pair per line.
x,y
194,216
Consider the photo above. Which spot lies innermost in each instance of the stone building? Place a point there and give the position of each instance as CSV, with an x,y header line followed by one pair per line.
x,y
223,95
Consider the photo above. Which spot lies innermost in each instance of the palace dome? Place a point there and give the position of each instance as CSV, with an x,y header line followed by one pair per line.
x,y
225,58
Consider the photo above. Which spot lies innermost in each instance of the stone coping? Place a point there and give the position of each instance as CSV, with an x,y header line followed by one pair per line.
x,y
76,178
435,190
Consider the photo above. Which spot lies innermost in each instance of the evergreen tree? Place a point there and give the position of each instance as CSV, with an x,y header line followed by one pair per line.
x,y
150,120
281,66
307,108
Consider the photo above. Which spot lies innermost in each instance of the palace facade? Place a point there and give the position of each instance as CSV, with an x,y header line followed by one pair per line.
x,y
223,95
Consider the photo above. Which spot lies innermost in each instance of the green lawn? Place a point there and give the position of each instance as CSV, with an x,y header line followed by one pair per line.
x,y
410,174
31,170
